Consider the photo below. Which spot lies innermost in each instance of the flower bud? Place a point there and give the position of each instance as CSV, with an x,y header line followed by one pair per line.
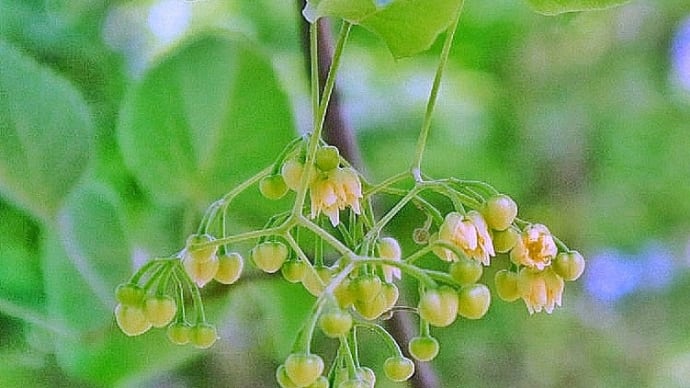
x,y
327,158
474,301
569,265
201,272
179,333
507,285
505,240
203,335
229,268
131,319
273,187
499,212
291,172
160,310
269,256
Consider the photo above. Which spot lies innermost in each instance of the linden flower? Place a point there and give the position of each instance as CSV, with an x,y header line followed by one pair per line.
x,y
540,290
535,248
469,233
335,191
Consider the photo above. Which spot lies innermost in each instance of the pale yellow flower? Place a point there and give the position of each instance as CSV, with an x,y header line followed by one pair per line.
x,y
535,248
334,191
540,289
469,233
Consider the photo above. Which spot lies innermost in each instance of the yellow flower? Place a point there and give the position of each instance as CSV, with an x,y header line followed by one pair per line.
x,y
334,191
469,233
540,289
535,248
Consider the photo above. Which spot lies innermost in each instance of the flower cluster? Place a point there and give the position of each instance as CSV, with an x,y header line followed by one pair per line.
x,y
159,301
354,268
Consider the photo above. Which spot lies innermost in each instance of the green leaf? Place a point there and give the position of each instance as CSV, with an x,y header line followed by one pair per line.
x,y
45,134
407,26
82,265
555,7
207,116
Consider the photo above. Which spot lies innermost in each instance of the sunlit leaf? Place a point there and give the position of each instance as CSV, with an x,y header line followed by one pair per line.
x,y
407,26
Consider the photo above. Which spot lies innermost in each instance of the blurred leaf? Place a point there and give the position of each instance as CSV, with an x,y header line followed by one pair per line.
x,y
82,266
555,7
210,114
45,134
407,26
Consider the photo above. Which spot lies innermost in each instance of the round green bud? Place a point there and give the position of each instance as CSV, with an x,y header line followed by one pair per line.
x,y
200,254
398,368
423,348
291,172
569,265
390,293
130,294
203,335
160,310
273,187
283,379
372,309
505,240
499,212
269,256
366,287
474,301
131,319
466,271
229,268
343,294
315,281
335,322
439,306
294,270
303,369
201,272
179,333
507,285
327,158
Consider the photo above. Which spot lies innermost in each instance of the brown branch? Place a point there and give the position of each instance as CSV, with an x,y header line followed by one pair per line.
x,y
338,132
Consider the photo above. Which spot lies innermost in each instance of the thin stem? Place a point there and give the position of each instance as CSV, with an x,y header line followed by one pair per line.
x,y
416,168
314,65
242,237
320,113
385,335
408,268
327,237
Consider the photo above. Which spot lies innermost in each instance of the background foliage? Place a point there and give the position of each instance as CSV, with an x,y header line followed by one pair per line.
x,y
121,121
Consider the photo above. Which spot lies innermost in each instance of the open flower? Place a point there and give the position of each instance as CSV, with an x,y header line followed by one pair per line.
x,y
535,248
469,233
540,289
334,191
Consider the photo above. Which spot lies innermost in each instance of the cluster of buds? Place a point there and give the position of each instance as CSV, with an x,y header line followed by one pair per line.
x,y
354,278
160,300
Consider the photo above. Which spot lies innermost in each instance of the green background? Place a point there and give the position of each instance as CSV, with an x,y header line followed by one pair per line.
x,y
115,136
